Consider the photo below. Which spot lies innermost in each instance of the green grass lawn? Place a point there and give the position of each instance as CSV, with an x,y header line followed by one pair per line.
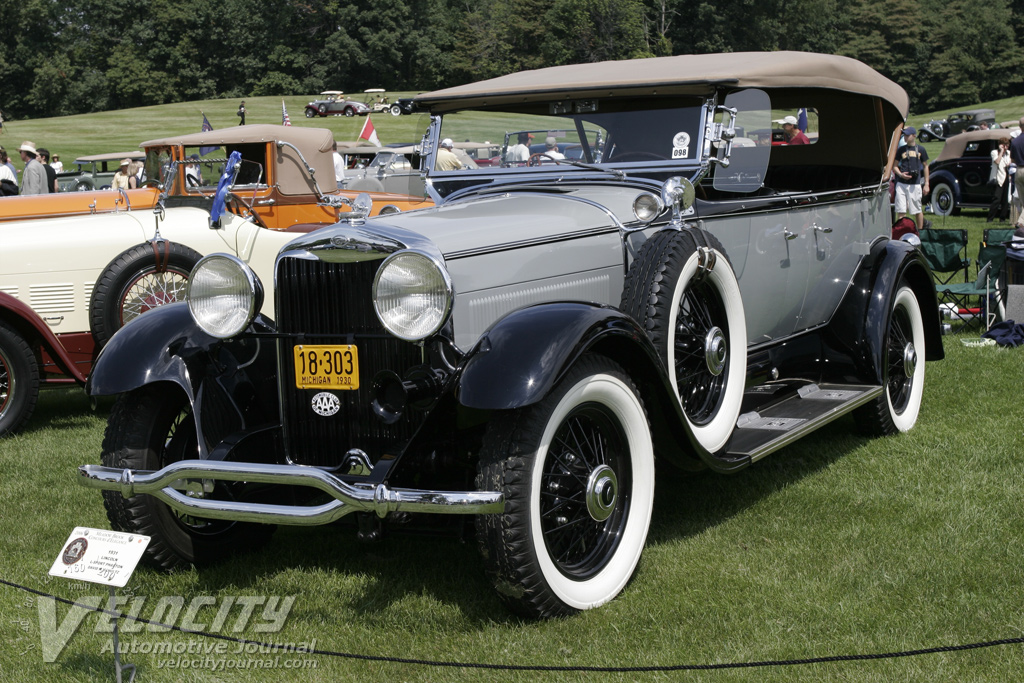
x,y
836,545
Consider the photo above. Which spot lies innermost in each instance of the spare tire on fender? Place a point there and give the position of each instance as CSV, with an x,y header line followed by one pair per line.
x,y
141,278
686,296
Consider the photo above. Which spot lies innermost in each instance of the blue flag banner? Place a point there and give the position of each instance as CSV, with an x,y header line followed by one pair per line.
x,y
203,151
801,120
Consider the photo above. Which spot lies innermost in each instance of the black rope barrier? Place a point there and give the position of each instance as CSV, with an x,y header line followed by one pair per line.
x,y
536,667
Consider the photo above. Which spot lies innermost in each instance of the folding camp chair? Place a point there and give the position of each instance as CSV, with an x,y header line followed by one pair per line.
x,y
993,249
998,235
946,252
961,299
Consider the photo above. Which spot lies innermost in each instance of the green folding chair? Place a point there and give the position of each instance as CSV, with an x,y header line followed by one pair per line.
x,y
962,298
946,252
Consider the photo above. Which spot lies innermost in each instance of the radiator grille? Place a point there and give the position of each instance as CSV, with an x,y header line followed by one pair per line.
x,y
330,303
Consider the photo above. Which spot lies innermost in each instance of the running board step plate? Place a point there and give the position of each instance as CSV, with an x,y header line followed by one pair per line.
x,y
759,433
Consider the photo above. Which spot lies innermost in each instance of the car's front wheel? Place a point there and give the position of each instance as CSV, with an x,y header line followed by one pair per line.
x,y
924,136
349,111
19,380
310,112
396,110
943,200
148,429
688,300
577,472
897,408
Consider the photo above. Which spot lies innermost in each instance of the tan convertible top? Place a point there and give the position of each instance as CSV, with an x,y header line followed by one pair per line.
x,y
291,177
956,145
682,74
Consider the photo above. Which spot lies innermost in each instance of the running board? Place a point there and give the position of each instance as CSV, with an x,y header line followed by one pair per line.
x,y
759,433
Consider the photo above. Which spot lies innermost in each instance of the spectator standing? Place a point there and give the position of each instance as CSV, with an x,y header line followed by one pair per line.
x,y
1000,163
33,178
58,166
241,113
51,174
911,177
520,152
1017,159
8,181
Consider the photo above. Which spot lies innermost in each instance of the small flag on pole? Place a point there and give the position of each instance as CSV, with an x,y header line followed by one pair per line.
x,y
369,133
203,151
285,121
801,121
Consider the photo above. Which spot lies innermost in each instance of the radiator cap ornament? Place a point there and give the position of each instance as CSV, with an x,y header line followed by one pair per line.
x,y
326,404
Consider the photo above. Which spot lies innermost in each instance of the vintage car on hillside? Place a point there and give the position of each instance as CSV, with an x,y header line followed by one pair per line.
x,y
958,122
335,104
403,105
94,172
958,177
524,350
75,267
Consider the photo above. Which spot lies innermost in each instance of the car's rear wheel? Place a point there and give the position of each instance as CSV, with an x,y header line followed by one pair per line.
x,y
688,300
897,408
577,472
19,380
138,280
148,429
943,200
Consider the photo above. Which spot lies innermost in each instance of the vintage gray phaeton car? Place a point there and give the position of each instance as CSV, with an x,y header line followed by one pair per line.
x,y
524,350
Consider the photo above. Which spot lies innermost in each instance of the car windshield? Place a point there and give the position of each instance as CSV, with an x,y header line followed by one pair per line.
x,y
619,132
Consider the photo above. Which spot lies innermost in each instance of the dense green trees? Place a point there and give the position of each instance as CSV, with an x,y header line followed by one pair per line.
x,y
73,56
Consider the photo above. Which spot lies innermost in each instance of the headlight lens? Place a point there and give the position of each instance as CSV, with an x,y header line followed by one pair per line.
x,y
412,295
646,207
224,295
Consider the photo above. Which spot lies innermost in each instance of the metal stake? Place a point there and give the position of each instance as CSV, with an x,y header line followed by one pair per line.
x,y
117,650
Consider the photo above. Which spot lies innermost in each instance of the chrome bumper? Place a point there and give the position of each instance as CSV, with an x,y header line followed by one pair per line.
x,y
348,498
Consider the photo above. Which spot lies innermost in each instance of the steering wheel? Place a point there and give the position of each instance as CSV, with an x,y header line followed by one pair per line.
x,y
535,159
243,209
638,156
220,196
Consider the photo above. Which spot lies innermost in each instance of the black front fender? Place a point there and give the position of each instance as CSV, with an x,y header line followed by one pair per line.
x,y
523,356
230,384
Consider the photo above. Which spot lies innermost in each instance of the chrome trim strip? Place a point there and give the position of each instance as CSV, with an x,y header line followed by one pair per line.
x,y
815,424
348,497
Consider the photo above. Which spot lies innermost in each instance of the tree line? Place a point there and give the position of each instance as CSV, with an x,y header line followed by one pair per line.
x,y
60,57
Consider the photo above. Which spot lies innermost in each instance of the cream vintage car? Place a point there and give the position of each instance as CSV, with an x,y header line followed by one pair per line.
x,y
76,266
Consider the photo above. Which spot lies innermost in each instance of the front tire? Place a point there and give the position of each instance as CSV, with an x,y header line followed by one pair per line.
x,y
695,318
943,200
148,429
396,110
310,113
925,136
577,472
139,279
19,380
350,112
898,407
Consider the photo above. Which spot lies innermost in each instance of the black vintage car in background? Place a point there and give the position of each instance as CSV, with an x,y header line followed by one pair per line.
x,y
958,122
959,175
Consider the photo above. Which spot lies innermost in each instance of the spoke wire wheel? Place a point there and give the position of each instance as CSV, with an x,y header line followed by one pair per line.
x,y
904,382
7,386
707,350
150,289
598,426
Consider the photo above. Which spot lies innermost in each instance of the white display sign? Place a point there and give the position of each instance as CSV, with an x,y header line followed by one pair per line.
x,y
100,556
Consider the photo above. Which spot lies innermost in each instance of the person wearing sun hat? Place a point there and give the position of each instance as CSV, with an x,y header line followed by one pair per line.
x,y
33,178
120,181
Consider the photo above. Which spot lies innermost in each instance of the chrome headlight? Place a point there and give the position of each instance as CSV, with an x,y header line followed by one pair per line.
x,y
647,207
412,295
224,295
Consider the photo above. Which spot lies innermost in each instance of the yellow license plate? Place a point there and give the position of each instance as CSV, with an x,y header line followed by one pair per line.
x,y
326,366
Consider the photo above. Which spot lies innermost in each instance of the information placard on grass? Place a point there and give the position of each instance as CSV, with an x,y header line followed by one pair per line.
x,y
99,556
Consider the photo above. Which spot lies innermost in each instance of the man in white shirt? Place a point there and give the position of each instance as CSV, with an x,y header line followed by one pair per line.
x,y
551,148
339,165
519,153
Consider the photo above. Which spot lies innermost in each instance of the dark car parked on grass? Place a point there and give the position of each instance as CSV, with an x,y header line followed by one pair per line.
x,y
958,122
959,175
335,104
524,350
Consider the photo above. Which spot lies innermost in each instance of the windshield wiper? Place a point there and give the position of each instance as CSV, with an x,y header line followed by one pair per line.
x,y
620,174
